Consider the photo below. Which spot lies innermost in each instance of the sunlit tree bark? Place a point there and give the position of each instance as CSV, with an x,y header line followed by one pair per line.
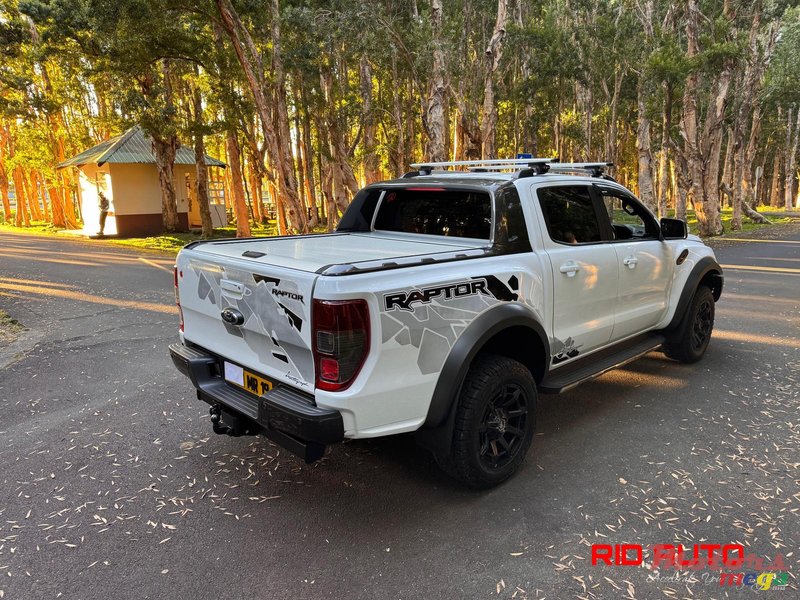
x,y
492,56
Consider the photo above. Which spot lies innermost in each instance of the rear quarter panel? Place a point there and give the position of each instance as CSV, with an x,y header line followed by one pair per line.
x,y
412,334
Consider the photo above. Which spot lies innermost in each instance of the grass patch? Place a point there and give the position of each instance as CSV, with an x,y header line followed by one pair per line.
x,y
36,228
10,329
727,218
173,242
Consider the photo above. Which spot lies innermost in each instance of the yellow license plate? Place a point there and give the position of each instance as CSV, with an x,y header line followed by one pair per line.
x,y
255,384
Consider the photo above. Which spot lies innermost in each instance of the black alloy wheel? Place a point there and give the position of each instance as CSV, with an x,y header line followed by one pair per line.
x,y
703,323
689,341
503,427
494,422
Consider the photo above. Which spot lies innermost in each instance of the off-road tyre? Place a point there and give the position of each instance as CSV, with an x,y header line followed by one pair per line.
x,y
690,339
494,422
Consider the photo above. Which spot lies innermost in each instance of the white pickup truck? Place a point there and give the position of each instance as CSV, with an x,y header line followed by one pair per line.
x,y
443,303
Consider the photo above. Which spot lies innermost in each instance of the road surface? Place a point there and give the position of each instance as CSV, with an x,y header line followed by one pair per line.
x,y
114,486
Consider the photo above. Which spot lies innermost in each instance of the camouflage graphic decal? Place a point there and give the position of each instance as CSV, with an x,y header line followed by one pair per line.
x,y
273,317
561,351
432,318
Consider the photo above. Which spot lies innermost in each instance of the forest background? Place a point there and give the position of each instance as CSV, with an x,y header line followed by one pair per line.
x,y
696,102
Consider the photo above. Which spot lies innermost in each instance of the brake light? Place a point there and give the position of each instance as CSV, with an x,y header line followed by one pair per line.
x,y
177,293
340,338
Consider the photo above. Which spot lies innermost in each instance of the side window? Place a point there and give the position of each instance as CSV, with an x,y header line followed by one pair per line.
x,y
569,214
629,219
511,227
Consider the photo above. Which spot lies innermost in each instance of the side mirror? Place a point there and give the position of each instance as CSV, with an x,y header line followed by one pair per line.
x,y
674,229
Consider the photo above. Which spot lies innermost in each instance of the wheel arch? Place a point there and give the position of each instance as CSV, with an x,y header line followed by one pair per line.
x,y
509,330
706,272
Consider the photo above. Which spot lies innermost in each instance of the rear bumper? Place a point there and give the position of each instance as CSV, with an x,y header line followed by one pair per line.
x,y
286,416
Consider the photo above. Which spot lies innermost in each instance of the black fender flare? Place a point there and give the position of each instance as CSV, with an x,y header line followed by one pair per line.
x,y
705,268
469,343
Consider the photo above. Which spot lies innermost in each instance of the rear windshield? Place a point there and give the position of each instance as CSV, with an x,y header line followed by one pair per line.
x,y
454,213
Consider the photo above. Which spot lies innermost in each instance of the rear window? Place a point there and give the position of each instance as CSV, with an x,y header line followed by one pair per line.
x,y
453,213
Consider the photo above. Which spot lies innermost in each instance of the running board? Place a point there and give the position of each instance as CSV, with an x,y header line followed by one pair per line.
x,y
594,365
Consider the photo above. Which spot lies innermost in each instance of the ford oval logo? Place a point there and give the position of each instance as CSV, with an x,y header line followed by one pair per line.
x,y
232,316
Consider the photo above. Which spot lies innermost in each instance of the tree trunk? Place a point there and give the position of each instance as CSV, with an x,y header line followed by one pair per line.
x,y
702,149
200,168
165,146
297,217
39,183
666,144
33,196
493,53
256,183
435,116
776,187
728,172
61,200
237,185
397,152
338,169
792,135
4,193
21,217
165,150
749,196
308,162
57,206
272,112
749,115
646,193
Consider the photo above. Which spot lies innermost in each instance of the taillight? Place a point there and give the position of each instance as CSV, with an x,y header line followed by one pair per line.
x,y
340,338
177,294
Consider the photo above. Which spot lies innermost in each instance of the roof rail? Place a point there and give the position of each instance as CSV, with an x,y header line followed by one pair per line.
x,y
597,169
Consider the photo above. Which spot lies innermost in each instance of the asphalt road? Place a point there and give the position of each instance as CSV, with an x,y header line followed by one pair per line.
x,y
114,486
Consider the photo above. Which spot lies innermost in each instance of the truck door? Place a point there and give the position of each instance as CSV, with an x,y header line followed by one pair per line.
x,y
584,270
645,264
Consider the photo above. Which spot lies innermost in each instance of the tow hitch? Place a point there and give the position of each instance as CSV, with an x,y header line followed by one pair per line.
x,y
233,425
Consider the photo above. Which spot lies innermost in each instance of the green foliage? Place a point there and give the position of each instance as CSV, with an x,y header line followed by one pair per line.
x,y
561,60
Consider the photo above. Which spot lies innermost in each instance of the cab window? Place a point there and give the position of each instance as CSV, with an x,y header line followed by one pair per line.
x,y
436,211
569,214
630,220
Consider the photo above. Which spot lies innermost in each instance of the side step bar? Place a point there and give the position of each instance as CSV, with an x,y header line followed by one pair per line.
x,y
593,365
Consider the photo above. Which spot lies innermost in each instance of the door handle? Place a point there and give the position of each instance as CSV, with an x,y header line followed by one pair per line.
x,y
230,288
570,268
630,261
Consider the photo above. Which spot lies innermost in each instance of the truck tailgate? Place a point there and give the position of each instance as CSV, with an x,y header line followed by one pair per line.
x,y
274,304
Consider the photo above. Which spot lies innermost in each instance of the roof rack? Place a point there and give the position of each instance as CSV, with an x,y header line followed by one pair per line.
x,y
525,167
538,165
507,163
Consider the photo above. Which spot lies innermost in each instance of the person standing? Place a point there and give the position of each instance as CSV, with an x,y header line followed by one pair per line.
x,y
104,205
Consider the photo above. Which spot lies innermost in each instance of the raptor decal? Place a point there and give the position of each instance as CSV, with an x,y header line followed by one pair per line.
x,y
404,300
431,319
